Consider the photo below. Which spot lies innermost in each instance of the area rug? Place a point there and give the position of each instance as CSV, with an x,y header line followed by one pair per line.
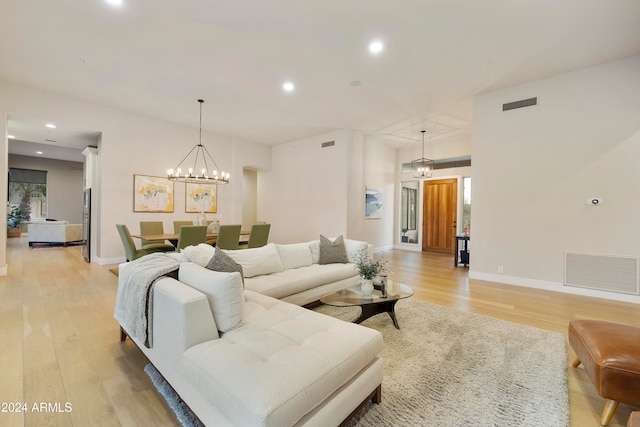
x,y
450,368
182,411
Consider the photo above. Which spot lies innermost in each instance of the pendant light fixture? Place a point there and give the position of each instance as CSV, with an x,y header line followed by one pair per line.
x,y
422,167
204,169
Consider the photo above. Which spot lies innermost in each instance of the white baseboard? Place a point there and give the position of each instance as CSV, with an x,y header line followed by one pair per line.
x,y
408,247
108,261
551,286
382,248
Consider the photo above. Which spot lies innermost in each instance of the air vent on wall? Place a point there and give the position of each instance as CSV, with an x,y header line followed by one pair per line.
x,y
519,104
602,272
328,144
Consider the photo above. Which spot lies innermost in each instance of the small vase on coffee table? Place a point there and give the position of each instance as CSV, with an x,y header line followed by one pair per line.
x,y
367,287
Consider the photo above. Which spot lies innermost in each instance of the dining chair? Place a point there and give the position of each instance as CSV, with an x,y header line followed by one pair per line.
x,y
178,224
154,227
191,235
130,250
229,236
258,236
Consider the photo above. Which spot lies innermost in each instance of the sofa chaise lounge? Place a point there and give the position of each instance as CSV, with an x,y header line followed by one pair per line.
x,y
240,358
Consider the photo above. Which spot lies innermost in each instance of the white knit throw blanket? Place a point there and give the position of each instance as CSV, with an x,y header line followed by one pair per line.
x,y
134,300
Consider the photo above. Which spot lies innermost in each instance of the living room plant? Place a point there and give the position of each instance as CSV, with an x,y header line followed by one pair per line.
x,y
368,269
15,216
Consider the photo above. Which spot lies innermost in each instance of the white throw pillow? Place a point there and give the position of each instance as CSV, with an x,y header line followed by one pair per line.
x,y
314,247
223,290
353,248
294,255
257,261
200,254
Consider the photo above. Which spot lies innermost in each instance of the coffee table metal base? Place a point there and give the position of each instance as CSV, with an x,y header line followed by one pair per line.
x,y
369,310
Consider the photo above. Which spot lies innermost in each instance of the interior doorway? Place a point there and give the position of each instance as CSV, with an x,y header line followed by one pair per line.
x,y
440,212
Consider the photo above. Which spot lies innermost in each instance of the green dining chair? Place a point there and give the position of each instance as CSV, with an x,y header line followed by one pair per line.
x,y
178,224
191,235
228,236
258,236
154,227
130,250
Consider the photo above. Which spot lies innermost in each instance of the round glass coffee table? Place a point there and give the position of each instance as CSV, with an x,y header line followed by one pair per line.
x,y
372,304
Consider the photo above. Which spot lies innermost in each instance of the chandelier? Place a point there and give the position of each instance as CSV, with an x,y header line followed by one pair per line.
x,y
422,168
200,172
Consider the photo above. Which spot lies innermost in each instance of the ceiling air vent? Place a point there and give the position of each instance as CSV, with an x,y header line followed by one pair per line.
x,y
328,144
520,104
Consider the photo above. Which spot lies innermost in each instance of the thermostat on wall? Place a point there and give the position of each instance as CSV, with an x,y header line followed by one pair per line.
x,y
594,201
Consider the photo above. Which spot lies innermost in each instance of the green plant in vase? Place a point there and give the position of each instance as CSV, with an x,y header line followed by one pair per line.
x,y
368,269
15,216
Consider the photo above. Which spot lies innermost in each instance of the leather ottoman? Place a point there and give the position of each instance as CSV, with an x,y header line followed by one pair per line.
x,y
610,354
634,419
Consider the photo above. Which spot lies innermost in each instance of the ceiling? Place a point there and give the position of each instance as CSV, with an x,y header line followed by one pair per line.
x,y
157,57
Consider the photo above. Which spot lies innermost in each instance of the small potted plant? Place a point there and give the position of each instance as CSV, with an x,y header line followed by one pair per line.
x,y
15,216
368,269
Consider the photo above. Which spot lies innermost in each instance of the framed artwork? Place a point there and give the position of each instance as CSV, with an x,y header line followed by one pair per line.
x,y
152,194
372,203
201,198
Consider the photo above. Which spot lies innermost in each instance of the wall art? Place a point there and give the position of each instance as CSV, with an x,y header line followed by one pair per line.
x,y
152,194
201,198
373,203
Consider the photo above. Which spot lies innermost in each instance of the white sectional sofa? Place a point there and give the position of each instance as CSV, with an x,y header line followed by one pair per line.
x,y
294,272
240,358
54,232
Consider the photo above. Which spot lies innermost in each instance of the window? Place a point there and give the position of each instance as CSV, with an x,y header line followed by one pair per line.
x,y
28,188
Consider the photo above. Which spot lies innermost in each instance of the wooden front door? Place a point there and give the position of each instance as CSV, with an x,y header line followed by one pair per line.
x,y
440,207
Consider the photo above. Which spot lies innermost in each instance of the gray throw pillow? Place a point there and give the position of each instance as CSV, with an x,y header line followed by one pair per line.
x,y
332,252
223,262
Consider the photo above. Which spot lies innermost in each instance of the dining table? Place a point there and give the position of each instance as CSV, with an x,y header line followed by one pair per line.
x,y
173,237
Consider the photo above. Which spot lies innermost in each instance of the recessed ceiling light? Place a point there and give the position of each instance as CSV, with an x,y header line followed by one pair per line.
x,y
114,2
11,137
288,87
375,47
38,152
50,126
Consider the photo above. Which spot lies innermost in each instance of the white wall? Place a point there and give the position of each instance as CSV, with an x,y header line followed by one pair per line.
x,y
250,197
534,168
313,190
64,185
133,144
305,193
380,166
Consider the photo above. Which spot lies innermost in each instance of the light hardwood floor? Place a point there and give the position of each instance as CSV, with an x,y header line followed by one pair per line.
x,y
60,344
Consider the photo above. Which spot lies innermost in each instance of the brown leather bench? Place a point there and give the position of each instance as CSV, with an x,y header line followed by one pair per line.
x,y
610,354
